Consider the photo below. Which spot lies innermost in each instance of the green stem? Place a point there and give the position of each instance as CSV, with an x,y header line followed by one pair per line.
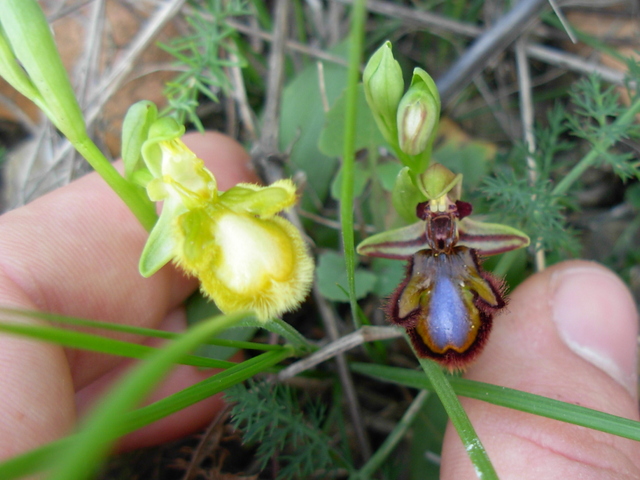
x,y
589,159
376,461
356,39
129,193
459,419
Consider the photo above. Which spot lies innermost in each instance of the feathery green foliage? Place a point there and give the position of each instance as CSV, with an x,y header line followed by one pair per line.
x,y
203,57
272,416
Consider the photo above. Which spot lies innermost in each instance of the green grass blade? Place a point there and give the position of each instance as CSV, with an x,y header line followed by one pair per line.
x,y
204,389
356,39
38,459
32,461
510,398
392,440
97,343
104,424
282,328
459,419
7,313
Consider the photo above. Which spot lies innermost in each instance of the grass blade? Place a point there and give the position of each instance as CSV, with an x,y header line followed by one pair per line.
x,y
40,458
510,398
104,425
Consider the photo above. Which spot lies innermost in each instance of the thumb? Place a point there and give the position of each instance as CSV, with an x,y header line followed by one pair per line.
x,y
568,333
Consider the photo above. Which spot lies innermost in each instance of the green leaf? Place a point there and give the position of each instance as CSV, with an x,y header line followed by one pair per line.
x,y
510,398
387,173
331,272
426,441
97,343
389,274
302,123
199,309
104,425
331,141
29,34
361,177
36,460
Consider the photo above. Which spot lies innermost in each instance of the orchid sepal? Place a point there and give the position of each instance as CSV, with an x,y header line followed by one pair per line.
x,y
399,244
160,246
490,238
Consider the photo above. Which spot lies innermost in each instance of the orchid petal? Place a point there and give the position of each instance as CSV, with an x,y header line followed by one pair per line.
x,y
262,201
490,238
400,243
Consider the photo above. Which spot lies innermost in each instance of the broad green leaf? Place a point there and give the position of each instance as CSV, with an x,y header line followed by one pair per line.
x,y
331,273
361,177
302,119
331,141
387,173
389,274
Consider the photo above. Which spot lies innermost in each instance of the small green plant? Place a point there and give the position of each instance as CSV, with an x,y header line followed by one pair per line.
x,y
272,417
203,56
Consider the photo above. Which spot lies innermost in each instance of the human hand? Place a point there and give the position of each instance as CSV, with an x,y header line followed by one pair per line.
x,y
75,252
568,333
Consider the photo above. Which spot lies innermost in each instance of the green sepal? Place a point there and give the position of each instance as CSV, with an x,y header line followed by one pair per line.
x,y
135,131
164,128
438,180
160,246
400,243
406,195
490,238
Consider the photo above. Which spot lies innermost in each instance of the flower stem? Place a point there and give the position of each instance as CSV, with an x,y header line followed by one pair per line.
x,y
459,419
356,40
129,193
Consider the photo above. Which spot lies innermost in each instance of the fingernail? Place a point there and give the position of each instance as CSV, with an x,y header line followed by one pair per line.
x,y
597,319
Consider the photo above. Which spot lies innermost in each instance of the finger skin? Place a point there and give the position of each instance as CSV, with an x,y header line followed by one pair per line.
x,y
525,352
75,252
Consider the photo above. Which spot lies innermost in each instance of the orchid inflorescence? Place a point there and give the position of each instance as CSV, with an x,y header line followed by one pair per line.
x,y
446,302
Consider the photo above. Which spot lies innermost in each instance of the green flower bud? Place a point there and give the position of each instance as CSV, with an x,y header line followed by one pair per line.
x,y
418,114
383,87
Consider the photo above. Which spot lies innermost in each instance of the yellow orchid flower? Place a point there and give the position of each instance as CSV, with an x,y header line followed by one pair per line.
x,y
245,255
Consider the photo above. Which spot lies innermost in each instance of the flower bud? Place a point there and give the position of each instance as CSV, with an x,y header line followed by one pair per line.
x,y
418,114
383,87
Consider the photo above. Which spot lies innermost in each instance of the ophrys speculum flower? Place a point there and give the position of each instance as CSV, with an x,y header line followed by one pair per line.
x,y
446,302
